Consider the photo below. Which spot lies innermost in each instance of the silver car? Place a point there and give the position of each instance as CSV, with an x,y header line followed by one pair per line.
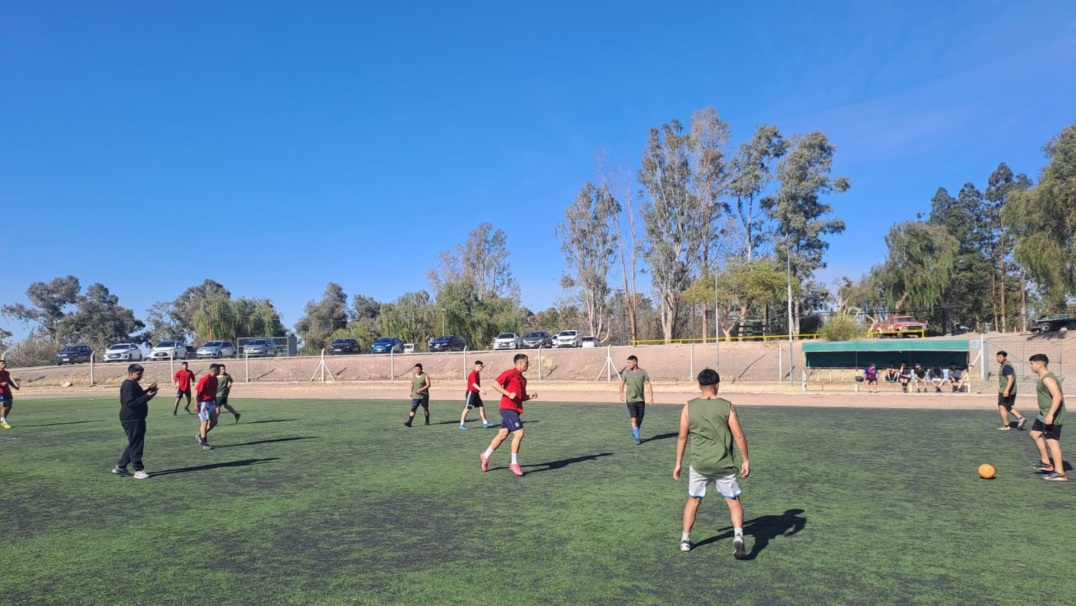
x,y
569,338
259,348
124,352
536,339
217,349
507,340
169,350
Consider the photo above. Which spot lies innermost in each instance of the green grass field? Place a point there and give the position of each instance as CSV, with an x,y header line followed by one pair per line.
x,y
333,502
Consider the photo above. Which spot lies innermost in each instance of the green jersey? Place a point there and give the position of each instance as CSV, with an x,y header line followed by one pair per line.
x,y
635,380
417,383
222,385
711,440
1046,401
1004,373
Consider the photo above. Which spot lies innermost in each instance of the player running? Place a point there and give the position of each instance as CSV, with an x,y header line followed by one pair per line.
x,y
224,387
712,425
634,379
134,407
182,379
1007,394
420,395
6,399
1046,431
512,386
474,397
206,392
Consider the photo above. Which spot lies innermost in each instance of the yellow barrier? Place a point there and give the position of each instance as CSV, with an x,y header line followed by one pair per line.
x,y
897,333
726,339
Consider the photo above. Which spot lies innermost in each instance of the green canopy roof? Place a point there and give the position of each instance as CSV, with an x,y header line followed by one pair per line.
x,y
858,354
889,345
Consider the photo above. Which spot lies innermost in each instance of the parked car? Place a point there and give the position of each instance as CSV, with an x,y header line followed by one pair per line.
x,y
165,350
386,345
123,352
1056,322
259,348
899,326
569,338
590,342
341,347
190,352
507,340
448,343
537,339
217,349
73,354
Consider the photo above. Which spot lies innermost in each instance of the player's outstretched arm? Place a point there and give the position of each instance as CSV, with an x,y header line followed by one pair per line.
x,y
681,442
741,441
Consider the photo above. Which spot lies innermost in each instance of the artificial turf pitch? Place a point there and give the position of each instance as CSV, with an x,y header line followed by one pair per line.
x,y
335,502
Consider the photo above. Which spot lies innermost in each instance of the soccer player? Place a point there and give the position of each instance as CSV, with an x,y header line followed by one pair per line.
x,y
634,380
512,386
712,426
134,407
474,397
224,387
182,379
420,395
1007,394
6,399
206,392
1046,432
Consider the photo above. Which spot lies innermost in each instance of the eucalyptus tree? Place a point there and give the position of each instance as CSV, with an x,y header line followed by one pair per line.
x,y
589,247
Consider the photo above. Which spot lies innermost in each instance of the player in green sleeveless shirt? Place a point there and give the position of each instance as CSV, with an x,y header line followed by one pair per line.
x,y
420,395
635,379
1007,393
1046,432
712,426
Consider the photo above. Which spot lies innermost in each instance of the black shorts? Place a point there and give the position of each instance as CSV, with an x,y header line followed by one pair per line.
x,y
1007,402
1050,432
474,400
636,410
6,400
222,401
423,402
510,420
183,392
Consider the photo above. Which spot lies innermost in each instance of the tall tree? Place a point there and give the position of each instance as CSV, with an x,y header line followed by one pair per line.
x,y
589,247
100,321
625,228
802,218
175,319
49,302
322,319
709,166
919,266
672,218
482,259
967,218
1001,183
752,174
221,318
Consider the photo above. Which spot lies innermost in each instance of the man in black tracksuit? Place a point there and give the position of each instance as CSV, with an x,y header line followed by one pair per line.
x,y
134,406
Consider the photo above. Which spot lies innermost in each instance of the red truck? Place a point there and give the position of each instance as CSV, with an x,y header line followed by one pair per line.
x,y
899,326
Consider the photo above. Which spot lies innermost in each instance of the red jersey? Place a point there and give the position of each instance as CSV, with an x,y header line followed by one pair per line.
x,y
5,378
207,389
472,380
184,377
513,381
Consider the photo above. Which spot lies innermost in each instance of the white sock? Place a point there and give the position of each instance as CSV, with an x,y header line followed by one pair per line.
x,y
686,537
489,452
738,532
515,458
3,419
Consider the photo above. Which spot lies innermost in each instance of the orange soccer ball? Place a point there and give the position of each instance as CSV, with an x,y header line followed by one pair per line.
x,y
986,471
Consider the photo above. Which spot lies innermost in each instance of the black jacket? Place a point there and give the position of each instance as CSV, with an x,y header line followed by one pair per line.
x,y
133,401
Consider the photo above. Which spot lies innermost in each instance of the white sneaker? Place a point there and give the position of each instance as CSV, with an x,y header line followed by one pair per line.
x,y
121,471
686,545
140,475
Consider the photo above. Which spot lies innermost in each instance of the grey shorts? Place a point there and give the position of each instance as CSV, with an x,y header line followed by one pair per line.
x,y
728,486
206,411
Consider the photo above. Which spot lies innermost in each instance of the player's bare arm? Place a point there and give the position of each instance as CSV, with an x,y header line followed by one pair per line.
x,y
741,441
650,390
1055,394
622,384
681,442
504,392
1008,386
530,396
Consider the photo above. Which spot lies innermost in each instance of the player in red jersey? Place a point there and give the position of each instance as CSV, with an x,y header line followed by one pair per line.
x,y
474,397
512,386
6,399
182,379
206,392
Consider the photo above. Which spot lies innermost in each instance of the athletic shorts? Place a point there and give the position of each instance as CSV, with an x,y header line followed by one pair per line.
x,y
423,402
510,420
1007,402
727,486
1050,432
474,400
222,401
636,410
206,411
7,400
183,392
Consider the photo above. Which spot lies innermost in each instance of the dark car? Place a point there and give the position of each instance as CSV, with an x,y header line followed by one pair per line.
x,y
73,354
192,353
341,347
448,343
536,339
1056,322
386,345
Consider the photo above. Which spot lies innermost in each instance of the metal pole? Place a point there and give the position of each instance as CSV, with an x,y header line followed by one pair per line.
x,y
692,356
539,362
92,356
717,328
982,349
465,363
788,258
172,361
246,363
392,366
323,365
780,360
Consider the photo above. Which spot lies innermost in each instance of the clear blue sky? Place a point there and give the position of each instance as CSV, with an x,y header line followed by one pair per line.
x,y
150,145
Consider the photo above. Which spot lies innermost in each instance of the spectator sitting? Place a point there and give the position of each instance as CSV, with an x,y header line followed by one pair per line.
x,y
956,378
872,378
919,377
891,374
905,375
938,377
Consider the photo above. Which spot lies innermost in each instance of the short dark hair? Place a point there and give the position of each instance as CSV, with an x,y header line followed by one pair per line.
x,y
133,368
519,357
709,376
214,366
418,366
183,364
1002,352
633,358
1039,358
478,362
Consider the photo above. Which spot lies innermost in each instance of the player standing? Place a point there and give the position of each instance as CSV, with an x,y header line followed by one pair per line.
x,y
206,393
134,407
474,396
6,399
420,395
512,386
182,379
224,387
634,379
1046,431
712,426
1007,394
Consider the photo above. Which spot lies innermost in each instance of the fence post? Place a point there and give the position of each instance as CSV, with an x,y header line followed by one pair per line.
x,y
172,362
246,363
539,362
465,365
392,366
691,348
92,356
780,360
983,352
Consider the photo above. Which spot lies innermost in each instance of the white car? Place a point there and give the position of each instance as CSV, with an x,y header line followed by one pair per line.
x,y
590,342
507,340
165,350
124,352
569,338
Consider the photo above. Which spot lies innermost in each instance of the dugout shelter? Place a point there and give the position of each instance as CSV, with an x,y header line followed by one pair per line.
x,y
839,361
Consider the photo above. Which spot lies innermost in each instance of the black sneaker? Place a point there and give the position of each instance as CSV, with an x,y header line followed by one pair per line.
x,y
188,409
237,415
407,423
175,411
638,441
737,548
427,422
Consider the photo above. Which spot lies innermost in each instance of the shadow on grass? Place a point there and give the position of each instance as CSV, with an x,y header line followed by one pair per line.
x,y
265,442
566,462
270,421
763,529
242,463
662,436
64,423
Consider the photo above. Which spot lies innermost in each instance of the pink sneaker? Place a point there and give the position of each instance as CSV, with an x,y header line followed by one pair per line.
x,y
515,469
485,461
